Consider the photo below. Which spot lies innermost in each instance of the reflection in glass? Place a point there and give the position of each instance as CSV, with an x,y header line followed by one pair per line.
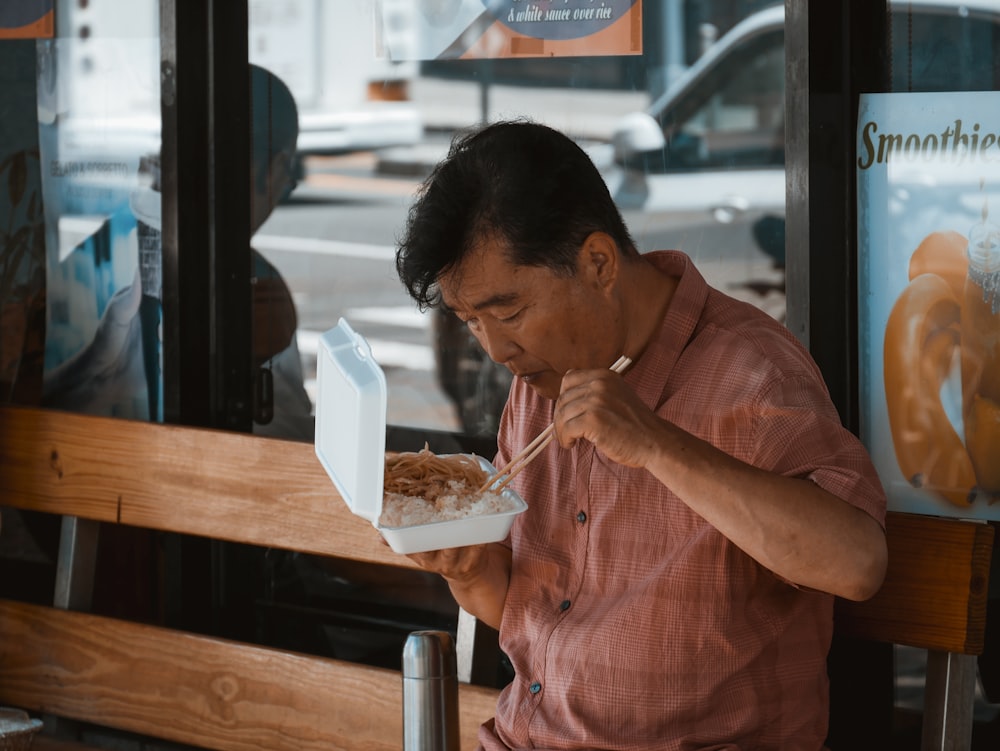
x,y
716,192
99,140
282,408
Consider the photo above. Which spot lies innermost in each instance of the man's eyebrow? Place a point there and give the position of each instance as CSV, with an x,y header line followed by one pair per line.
x,y
500,298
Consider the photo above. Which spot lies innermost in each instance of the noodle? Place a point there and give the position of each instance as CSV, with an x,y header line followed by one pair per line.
x,y
422,487
426,475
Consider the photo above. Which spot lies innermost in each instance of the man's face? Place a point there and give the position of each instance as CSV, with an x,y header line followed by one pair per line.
x,y
535,322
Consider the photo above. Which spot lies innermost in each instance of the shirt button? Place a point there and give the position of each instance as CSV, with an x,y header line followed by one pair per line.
x,y
581,517
564,605
535,687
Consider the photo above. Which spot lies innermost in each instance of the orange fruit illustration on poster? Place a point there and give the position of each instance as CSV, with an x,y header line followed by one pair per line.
x,y
945,324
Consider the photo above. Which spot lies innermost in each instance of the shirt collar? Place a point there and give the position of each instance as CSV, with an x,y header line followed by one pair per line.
x,y
649,376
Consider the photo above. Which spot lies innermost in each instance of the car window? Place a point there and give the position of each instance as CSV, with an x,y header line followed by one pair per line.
x,y
733,117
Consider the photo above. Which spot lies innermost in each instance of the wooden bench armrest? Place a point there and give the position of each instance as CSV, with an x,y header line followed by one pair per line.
x,y
934,596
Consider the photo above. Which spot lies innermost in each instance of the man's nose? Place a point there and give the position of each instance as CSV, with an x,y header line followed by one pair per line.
x,y
499,346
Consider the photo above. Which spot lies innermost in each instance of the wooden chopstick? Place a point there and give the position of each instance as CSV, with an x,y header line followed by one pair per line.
x,y
533,449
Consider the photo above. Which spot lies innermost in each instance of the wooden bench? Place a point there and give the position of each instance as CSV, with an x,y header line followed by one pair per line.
x,y
183,687
221,694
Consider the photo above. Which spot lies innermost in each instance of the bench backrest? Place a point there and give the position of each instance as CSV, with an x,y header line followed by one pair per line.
x,y
934,595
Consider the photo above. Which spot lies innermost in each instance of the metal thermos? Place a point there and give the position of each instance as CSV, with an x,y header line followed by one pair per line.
x,y
430,692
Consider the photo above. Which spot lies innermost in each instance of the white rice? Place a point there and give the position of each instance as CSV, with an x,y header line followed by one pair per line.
x,y
400,510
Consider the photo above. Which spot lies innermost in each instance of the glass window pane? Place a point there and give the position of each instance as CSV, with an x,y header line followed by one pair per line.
x,y
371,129
943,47
22,247
86,146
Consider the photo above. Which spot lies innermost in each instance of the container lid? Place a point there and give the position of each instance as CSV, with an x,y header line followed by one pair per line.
x,y
350,419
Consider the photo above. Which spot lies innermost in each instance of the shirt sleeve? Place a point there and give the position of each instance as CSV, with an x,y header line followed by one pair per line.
x,y
798,433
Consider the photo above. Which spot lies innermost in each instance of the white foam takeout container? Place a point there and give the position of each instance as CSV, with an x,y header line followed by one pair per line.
x,y
350,444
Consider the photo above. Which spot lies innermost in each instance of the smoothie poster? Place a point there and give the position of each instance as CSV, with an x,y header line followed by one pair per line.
x,y
490,29
928,168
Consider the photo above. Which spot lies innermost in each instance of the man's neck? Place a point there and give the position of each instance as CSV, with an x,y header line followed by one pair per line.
x,y
646,305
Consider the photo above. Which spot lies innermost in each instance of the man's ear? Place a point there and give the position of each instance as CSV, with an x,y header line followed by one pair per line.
x,y
600,259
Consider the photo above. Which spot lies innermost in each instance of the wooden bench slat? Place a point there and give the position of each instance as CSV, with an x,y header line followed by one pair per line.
x,y
34,474
203,690
210,483
934,596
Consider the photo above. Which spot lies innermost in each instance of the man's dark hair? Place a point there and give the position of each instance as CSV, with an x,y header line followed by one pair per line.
x,y
526,185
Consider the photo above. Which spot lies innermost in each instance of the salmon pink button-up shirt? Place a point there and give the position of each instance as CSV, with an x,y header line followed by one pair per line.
x,y
630,621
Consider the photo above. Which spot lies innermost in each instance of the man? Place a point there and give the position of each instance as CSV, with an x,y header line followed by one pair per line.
x,y
671,584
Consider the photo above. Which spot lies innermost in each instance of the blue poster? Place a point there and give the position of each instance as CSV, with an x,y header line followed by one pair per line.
x,y
928,167
99,140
